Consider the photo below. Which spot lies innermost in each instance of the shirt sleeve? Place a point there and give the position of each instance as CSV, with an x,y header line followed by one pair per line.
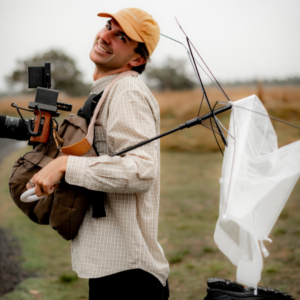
x,y
130,121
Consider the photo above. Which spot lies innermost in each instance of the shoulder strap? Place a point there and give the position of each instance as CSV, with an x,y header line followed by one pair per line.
x,y
89,106
90,134
84,145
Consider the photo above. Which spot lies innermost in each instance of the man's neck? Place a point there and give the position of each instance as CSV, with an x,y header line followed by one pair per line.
x,y
99,73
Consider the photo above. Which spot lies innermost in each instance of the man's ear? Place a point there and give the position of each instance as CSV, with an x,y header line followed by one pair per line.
x,y
138,61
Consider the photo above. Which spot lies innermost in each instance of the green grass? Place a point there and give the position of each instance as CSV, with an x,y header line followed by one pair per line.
x,y
45,253
188,214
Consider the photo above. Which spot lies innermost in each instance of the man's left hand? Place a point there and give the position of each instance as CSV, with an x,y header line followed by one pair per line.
x,y
47,179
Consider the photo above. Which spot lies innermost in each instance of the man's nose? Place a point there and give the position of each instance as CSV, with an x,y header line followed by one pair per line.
x,y
106,37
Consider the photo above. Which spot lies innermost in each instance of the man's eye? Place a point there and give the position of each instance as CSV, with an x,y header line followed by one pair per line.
x,y
122,38
108,27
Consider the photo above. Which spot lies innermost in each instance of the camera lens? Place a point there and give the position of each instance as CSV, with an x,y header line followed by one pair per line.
x,y
13,128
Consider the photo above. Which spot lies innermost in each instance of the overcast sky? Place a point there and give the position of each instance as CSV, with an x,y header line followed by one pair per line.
x,y
238,39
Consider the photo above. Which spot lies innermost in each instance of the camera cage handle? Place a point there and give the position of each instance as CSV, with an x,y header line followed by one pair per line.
x,y
39,120
42,124
29,124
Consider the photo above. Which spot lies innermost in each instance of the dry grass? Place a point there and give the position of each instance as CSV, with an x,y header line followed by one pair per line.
x,y
178,107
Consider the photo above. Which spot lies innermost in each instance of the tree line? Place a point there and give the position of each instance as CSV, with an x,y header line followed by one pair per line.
x,y
172,74
66,76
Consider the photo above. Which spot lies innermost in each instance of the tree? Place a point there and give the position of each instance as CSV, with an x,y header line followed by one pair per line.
x,y
64,74
172,75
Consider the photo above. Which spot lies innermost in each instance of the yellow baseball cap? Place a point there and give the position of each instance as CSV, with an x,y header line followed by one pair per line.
x,y
138,25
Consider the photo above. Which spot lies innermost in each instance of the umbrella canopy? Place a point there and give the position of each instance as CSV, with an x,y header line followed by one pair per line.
x,y
257,179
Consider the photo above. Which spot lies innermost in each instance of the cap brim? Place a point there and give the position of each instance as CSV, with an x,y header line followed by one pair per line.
x,y
126,26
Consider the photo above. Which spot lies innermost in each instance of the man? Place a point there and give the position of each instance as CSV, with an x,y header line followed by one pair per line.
x,y
119,253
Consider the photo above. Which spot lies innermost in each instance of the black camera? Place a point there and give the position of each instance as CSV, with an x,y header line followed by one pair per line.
x,y
45,107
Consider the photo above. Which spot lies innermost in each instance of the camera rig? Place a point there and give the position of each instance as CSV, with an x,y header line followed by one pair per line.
x,y
45,108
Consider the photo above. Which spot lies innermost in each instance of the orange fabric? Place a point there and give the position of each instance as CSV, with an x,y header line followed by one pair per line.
x,y
77,149
138,25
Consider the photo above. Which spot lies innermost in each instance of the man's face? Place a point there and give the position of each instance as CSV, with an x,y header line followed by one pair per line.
x,y
113,49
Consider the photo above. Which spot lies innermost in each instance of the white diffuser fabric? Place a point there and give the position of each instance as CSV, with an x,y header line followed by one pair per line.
x,y
257,179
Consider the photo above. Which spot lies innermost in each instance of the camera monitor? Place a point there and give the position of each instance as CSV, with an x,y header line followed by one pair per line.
x,y
39,76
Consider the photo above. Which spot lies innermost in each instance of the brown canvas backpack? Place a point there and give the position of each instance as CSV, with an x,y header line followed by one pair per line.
x,y
63,210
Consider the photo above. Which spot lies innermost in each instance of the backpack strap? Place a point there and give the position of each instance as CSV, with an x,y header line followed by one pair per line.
x,y
89,106
83,146
86,111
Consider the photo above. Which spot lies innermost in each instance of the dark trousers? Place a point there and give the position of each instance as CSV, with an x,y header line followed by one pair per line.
x,y
132,285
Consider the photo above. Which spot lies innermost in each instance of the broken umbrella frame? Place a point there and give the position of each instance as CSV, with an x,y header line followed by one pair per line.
x,y
209,120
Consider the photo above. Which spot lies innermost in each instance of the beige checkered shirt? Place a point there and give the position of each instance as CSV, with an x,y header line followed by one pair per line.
x,y
127,237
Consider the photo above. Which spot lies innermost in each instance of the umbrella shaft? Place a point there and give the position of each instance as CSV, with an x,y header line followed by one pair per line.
x,y
187,124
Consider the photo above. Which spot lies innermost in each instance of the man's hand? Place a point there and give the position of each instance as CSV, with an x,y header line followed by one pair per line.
x,y
47,179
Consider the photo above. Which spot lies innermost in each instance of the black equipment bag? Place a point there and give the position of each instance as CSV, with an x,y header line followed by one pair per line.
x,y
223,289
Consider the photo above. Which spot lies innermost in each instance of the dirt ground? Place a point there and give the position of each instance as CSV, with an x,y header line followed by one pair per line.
x,y
11,273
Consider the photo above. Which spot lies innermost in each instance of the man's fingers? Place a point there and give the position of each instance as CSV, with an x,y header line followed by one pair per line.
x,y
29,186
47,179
48,189
42,188
48,186
39,191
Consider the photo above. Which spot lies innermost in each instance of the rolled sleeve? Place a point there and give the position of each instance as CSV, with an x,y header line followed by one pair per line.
x,y
130,121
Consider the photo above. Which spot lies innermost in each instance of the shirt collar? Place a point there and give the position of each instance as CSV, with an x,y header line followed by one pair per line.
x,y
99,85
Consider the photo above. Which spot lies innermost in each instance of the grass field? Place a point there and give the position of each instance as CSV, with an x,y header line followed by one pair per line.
x,y
188,214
